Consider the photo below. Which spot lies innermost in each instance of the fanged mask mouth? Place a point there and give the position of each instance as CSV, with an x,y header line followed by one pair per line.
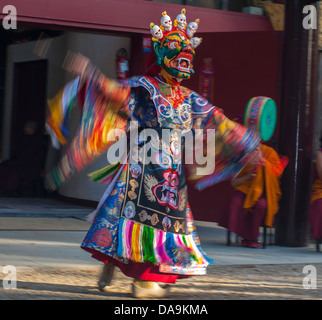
x,y
167,195
170,195
182,63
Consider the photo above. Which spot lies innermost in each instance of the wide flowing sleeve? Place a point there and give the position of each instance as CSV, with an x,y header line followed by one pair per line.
x,y
231,145
103,105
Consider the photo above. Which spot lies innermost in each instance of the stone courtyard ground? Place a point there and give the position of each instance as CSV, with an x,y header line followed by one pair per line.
x,y
238,282
42,237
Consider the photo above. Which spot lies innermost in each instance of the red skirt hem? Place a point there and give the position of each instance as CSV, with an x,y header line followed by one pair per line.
x,y
144,271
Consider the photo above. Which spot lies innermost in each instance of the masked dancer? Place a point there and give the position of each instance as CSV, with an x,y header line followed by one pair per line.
x,y
143,223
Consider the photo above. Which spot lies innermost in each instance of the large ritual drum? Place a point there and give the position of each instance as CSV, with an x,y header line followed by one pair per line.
x,y
261,115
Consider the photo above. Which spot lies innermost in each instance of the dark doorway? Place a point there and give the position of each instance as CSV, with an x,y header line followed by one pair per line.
x,y
23,172
29,98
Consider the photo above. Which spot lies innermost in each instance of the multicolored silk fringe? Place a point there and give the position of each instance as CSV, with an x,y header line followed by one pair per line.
x,y
234,144
104,109
105,175
175,253
59,112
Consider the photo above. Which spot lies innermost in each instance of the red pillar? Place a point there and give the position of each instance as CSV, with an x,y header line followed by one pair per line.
x,y
299,86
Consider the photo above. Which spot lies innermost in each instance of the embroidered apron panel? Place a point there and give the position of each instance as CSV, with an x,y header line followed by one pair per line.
x,y
156,193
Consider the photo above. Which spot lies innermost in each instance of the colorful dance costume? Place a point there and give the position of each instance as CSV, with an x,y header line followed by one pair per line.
x,y
143,223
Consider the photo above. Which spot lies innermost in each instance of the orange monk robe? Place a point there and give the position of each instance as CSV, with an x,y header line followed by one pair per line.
x,y
316,190
270,173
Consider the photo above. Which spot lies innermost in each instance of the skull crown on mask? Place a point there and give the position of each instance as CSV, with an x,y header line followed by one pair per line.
x,y
174,44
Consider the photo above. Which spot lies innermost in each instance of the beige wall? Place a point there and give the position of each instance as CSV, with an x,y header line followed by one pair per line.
x,y
101,50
